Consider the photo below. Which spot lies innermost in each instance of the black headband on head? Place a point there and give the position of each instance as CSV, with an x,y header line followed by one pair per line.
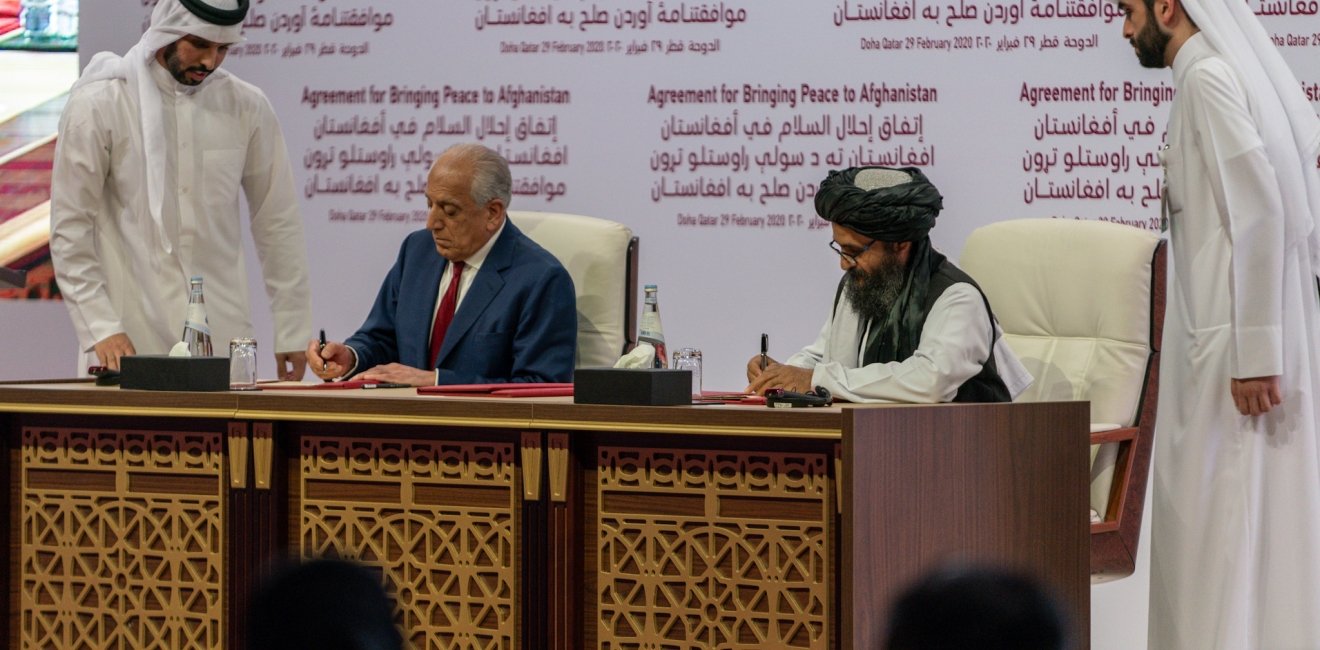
x,y
901,212
216,16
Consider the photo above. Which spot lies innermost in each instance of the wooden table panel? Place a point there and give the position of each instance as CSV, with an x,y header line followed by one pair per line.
x,y
123,537
438,517
637,527
711,548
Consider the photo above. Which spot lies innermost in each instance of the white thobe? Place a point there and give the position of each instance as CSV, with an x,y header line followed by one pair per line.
x,y
1235,554
953,347
111,266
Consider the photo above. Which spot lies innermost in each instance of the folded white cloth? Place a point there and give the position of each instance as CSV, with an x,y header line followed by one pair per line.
x,y
642,356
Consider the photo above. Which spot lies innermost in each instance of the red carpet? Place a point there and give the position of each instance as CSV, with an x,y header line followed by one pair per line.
x,y
25,181
8,16
25,184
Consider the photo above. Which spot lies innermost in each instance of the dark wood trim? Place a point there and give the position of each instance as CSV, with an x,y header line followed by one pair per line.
x,y
589,609
565,589
170,484
1115,435
9,533
366,491
714,421
84,397
533,605
239,552
270,506
1103,527
1114,542
836,549
533,555
55,479
997,484
65,380
382,406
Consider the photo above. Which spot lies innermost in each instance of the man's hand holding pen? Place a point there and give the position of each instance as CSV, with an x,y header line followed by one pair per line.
x,y
329,360
760,362
764,373
776,375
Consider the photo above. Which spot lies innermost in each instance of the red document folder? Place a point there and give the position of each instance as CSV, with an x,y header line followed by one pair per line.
x,y
499,390
329,385
730,397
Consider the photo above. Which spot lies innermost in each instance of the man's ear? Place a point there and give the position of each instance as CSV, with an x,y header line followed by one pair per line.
x,y
494,212
903,251
1165,11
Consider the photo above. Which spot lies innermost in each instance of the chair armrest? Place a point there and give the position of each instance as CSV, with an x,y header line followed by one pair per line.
x,y
1121,434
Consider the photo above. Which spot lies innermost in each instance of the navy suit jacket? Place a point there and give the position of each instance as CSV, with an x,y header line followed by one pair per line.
x,y
517,322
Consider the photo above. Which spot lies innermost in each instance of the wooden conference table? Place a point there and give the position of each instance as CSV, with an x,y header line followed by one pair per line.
x,y
144,519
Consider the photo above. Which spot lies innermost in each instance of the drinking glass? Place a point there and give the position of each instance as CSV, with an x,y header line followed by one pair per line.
x,y
243,364
689,359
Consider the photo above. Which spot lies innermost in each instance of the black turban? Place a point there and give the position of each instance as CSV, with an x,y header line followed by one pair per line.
x,y
902,212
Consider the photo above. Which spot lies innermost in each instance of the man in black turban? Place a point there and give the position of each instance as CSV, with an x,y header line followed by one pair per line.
x,y
907,325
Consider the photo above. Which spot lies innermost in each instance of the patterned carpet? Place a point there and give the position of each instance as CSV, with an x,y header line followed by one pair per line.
x,y
25,181
25,184
8,16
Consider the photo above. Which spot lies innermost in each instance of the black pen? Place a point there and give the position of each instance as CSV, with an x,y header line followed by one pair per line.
x,y
765,347
320,351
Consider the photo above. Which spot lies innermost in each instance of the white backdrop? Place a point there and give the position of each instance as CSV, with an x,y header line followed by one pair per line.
x,y
704,126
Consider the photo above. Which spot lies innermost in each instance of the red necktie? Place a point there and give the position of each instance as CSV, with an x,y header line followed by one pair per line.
x,y
444,314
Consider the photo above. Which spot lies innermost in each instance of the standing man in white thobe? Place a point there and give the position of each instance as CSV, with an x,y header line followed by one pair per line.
x,y
153,150
1235,554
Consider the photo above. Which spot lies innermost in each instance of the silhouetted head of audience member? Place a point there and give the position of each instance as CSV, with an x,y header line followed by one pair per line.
x,y
322,604
982,608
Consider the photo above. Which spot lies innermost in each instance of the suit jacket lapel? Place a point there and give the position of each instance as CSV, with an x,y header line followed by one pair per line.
x,y
489,281
417,340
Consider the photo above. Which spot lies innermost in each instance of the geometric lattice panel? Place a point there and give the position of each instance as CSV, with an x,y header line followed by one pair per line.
x,y
712,549
122,539
438,519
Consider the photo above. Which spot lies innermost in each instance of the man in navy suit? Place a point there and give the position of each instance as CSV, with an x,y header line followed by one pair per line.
x,y
470,300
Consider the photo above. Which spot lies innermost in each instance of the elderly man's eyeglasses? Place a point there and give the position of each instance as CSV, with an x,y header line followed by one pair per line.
x,y
851,257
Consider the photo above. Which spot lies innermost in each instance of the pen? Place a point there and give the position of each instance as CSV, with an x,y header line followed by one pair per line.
x,y
321,351
765,347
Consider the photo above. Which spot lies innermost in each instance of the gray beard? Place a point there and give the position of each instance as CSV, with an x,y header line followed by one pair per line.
x,y
873,295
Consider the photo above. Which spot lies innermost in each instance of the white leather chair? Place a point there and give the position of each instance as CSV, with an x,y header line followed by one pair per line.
x,y
601,257
1082,303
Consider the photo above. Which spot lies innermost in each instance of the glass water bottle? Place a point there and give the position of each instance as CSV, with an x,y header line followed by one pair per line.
x,y
651,330
196,330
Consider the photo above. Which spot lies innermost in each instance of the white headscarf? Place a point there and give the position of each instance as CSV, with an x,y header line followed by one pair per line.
x,y
170,21
1288,123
